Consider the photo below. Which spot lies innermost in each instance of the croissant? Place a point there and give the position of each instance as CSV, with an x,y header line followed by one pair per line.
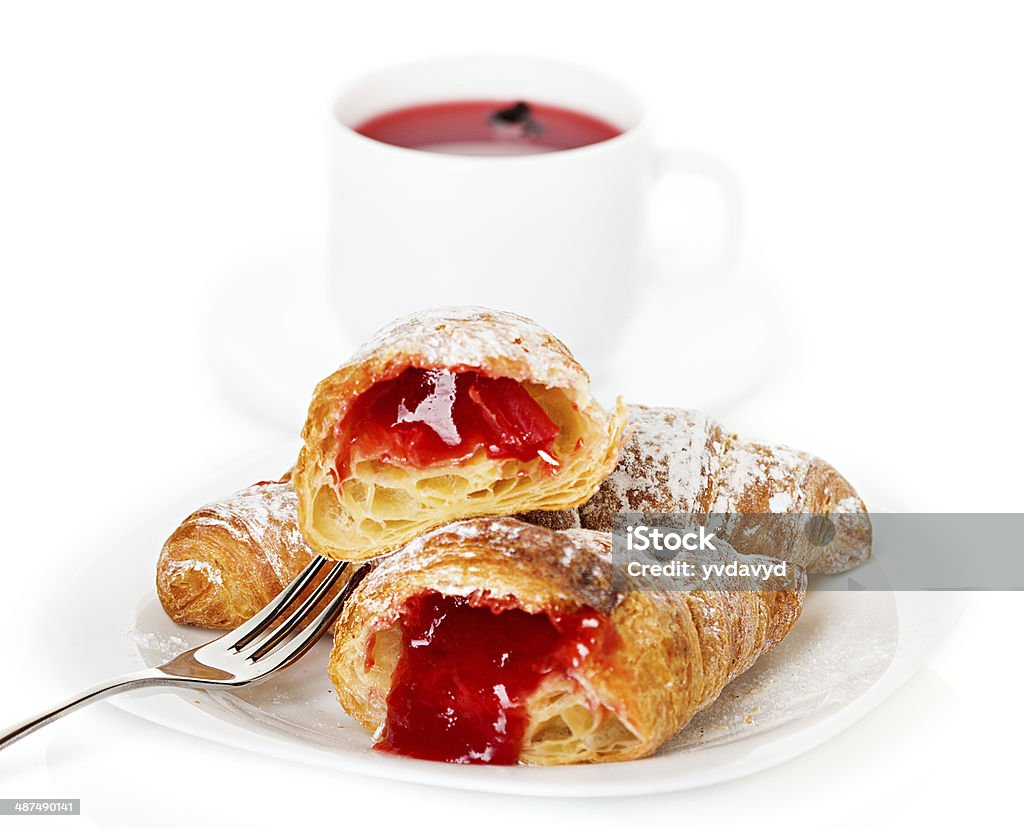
x,y
496,641
227,560
679,461
448,414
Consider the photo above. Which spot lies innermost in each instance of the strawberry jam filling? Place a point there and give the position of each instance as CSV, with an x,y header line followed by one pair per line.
x,y
459,689
424,418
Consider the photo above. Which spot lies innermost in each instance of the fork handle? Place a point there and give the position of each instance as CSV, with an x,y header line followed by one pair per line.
x,y
132,681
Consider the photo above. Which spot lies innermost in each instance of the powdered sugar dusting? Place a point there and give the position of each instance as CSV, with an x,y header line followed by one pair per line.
x,y
157,647
747,466
667,465
475,336
678,461
849,506
267,514
212,574
575,562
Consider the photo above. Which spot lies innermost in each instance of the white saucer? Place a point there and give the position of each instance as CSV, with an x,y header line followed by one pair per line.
x,y
272,334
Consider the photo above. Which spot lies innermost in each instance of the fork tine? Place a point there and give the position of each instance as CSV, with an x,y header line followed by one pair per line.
x,y
297,616
295,648
245,633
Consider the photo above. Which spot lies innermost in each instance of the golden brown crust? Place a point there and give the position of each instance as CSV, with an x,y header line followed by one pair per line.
x,y
679,461
495,343
227,560
678,649
559,519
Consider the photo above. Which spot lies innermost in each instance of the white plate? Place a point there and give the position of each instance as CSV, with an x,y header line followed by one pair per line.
x,y
848,652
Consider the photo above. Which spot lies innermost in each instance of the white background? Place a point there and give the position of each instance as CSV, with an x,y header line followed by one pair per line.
x,y
150,153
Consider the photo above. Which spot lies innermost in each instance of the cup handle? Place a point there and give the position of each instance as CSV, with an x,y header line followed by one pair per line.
x,y
672,161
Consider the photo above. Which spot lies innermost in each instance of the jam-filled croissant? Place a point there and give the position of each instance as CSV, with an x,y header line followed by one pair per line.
x,y
448,414
496,641
680,461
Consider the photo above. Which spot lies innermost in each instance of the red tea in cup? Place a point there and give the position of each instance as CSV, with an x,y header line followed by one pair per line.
x,y
487,127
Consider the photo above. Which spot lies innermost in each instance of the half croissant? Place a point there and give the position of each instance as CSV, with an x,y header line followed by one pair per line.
x,y
496,641
443,415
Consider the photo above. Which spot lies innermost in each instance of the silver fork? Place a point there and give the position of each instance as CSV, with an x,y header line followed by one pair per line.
x,y
277,636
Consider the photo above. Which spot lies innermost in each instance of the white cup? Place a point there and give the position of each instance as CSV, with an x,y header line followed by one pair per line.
x,y
561,237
